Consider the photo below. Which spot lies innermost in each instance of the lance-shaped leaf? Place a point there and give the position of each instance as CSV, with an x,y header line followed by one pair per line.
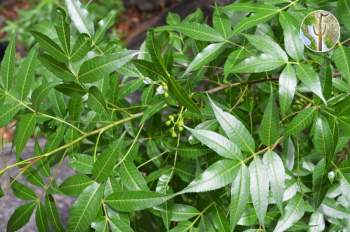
x,y
216,176
259,188
20,217
300,121
85,208
233,59
197,31
266,45
62,29
317,222
255,64
234,129
96,101
178,212
341,57
50,46
323,139
24,130
276,176
41,218
310,79
221,22
131,178
218,143
269,125
80,17
152,109
8,111
287,84
21,191
253,20
239,195
250,7
292,40
343,15
138,200
81,47
100,66
8,64
52,214
208,54
57,68
25,75
320,183
103,25
294,211
105,162
74,185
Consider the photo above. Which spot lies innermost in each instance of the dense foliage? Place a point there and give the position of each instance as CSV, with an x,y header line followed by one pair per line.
x,y
229,125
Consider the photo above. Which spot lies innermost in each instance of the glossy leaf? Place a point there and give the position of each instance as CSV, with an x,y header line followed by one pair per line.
x,y
287,87
80,17
300,121
57,68
20,217
41,218
276,176
8,111
8,64
234,129
80,48
269,131
197,31
85,208
239,195
216,176
323,139
25,75
259,188
255,64
63,30
52,213
22,191
319,183
74,185
132,201
24,130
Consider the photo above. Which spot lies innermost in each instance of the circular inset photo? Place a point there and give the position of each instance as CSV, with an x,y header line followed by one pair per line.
x,y
320,31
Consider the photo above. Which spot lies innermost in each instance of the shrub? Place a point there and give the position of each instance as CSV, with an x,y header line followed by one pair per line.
x,y
226,127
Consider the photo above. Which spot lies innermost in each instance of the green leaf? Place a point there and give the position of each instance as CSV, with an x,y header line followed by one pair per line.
x,y
287,83
221,22
250,7
80,17
70,89
294,211
96,101
269,131
85,208
57,68
8,111
81,47
50,46
136,200
41,218
276,176
310,79
323,139
208,54
105,162
8,64
216,176
152,110
20,217
292,40
319,183
25,75
259,188
74,185
81,163
239,195
343,7
341,57
317,223
63,30
234,129
232,60
52,214
300,121
253,20
100,66
255,64
104,24
24,130
178,212
266,45
131,178
218,143
201,32
23,192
